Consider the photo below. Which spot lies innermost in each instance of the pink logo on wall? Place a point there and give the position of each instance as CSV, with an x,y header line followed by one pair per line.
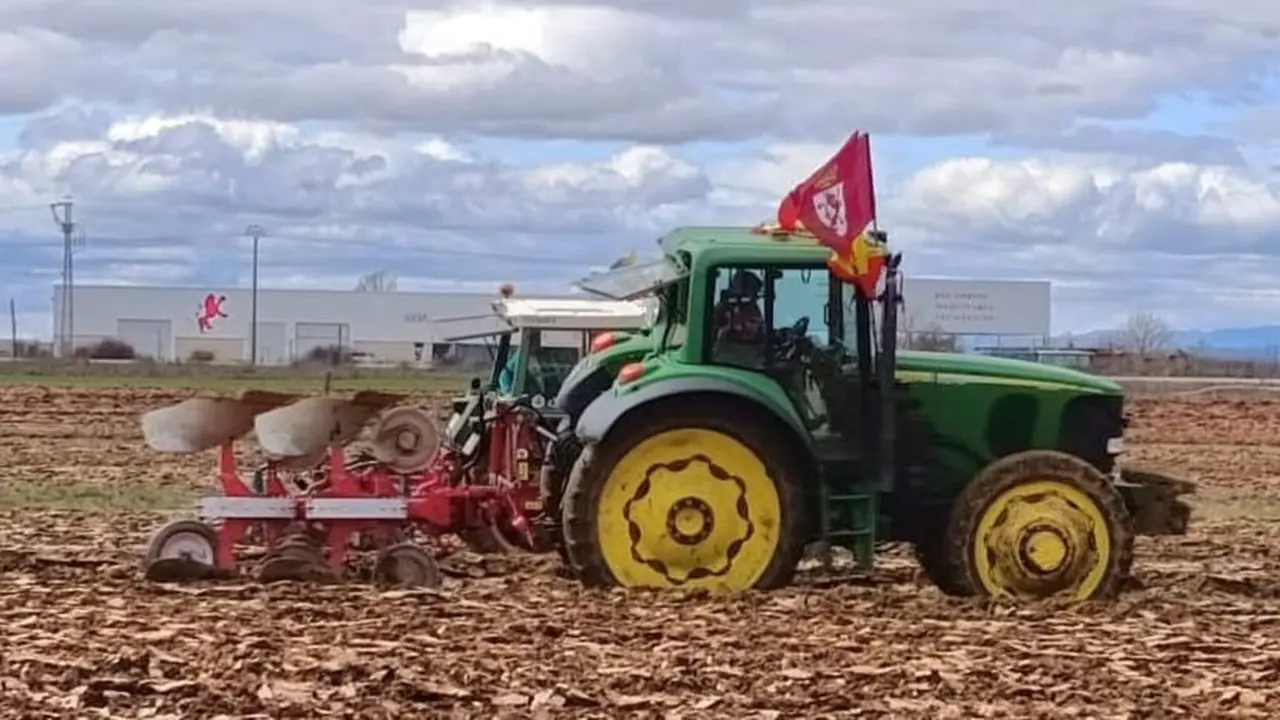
x,y
210,310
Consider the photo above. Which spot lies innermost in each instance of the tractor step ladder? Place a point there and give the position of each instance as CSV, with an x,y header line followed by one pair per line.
x,y
849,514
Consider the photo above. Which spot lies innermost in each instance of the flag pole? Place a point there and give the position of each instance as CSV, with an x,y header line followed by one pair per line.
x,y
875,220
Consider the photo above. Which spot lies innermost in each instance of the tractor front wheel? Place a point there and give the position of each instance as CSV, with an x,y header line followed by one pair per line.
x,y
686,496
1040,524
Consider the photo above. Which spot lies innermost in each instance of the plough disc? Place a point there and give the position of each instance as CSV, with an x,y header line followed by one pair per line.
x,y
407,565
298,558
406,439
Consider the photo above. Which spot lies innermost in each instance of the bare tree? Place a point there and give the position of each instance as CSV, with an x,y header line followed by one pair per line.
x,y
1146,333
380,281
934,339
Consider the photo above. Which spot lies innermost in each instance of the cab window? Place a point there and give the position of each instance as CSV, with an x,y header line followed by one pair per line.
x,y
546,365
755,308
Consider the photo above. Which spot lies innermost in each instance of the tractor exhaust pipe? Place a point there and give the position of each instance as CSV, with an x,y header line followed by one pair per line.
x,y
888,361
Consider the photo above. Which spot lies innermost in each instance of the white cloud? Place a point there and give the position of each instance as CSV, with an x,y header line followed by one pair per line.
x,y
1092,202
338,204
650,71
578,39
167,198
363,136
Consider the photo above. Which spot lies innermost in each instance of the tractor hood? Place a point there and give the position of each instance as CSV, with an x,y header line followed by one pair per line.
x,y
983,368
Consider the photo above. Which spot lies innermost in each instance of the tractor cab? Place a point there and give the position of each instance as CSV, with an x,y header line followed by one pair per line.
x,y
551,336
770,309
539,341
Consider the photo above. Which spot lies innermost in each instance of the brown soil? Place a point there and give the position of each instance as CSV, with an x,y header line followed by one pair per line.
x,y
84,636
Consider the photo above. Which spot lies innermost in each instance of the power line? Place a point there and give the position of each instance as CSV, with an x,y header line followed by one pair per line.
x,y
548,259
28,206
169,240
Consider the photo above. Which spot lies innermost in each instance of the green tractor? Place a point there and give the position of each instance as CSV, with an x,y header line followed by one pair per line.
x,y
769,408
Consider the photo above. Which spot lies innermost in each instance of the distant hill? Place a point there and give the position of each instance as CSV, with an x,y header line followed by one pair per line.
x,y
1250,343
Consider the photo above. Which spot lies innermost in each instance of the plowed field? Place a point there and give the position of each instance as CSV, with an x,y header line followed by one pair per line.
x,y
82,636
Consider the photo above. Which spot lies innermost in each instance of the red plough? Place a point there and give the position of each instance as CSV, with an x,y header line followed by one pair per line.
x,y
310,504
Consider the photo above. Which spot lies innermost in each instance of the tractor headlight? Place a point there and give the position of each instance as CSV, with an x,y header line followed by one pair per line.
x,y
455,424
651,312
470,445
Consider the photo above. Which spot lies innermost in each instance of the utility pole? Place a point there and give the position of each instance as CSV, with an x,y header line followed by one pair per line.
x,y
256,232
13,329
65,220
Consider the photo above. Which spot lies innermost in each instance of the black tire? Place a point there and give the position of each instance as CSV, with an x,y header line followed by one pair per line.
x,y
742,422
158,569
561,457
930,553
1031,466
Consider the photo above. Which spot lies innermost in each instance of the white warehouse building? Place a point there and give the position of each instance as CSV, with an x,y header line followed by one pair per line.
x,y
172,323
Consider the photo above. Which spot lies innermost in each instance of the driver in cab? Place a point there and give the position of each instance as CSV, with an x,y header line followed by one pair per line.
x,y
739,322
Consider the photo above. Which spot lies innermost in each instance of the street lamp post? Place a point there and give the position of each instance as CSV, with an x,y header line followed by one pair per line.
x,y
256,232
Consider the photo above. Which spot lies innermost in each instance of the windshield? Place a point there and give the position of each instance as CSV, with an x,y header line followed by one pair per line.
x,y
539,368
629,283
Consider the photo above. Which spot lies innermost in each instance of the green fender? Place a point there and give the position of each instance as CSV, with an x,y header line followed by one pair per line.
x,y
609,408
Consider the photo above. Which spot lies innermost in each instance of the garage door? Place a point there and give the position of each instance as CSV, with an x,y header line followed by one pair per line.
x,y
149,338
273,344
309,336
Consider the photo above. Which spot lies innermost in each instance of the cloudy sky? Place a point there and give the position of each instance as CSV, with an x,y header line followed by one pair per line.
x,y
1128,150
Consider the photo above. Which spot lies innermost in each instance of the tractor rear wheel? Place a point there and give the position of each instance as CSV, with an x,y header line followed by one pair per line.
x,y
686,496
1040,524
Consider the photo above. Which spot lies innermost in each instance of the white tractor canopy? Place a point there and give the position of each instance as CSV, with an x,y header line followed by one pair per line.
x,y
573,314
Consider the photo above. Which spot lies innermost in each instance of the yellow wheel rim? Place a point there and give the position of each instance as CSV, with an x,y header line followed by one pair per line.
x,y
691,508
1040,539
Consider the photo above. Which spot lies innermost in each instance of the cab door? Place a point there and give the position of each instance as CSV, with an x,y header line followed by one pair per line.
x,y
762,318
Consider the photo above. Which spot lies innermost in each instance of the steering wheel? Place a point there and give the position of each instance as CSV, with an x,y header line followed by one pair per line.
x,y
787,342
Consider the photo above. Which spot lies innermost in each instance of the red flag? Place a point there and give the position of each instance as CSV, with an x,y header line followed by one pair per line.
x,y
863,265
837,203
789,213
